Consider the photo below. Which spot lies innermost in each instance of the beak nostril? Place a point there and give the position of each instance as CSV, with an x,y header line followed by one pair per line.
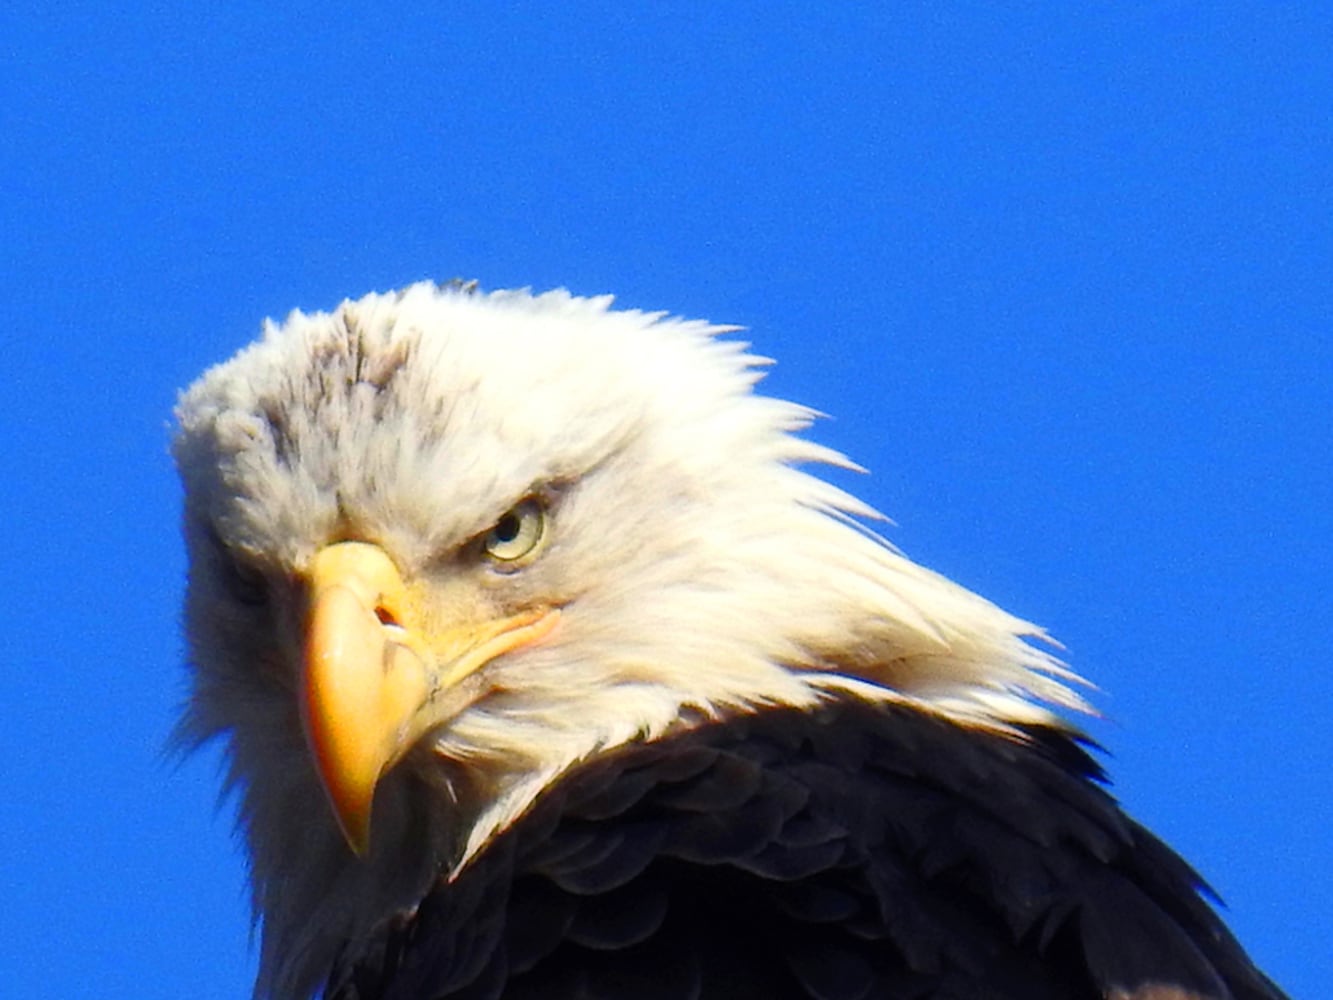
x,y
385,616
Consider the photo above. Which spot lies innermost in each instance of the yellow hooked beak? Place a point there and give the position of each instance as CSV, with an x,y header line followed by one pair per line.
x,y
377,654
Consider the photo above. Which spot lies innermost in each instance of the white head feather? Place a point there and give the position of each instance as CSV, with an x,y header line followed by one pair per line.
x,y
700,571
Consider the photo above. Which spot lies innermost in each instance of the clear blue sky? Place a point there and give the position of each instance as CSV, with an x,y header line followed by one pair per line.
x,y
1063,279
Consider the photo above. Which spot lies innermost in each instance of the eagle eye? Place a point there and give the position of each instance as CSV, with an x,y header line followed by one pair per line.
x,y
245,582
518,533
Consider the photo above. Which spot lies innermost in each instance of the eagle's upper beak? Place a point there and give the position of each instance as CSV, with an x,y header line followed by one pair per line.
x,y
377,654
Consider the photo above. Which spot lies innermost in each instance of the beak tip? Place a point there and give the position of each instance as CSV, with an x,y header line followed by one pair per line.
x,y
352,812
357,837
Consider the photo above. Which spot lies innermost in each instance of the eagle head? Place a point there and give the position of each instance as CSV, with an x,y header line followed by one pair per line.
x,y
445,545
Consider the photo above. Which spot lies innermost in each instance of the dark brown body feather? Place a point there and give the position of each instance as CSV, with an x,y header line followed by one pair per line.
x,y
857,852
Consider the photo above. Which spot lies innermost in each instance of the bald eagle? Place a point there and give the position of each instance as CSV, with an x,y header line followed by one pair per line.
x,y
544,670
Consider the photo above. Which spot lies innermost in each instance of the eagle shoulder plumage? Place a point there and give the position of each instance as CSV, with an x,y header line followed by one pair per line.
x,y
544,670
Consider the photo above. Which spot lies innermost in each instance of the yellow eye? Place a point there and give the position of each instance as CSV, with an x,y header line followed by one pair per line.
x,y
518,533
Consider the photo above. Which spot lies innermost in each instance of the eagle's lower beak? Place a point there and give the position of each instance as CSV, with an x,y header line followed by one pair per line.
x,y
376,656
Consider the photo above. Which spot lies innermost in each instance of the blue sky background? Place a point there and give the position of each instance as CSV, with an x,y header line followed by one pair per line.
x,y
1064,278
